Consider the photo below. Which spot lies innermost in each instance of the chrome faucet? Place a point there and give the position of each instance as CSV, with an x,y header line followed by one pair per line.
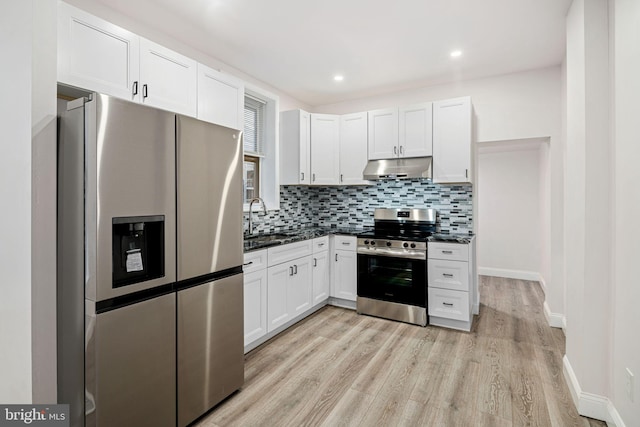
x,y
264,208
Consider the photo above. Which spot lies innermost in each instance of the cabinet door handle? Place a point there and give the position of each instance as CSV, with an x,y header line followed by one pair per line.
x,y
336,257
290,271
301,176
395,151
341,178
145,91
135,88
295,269
448,304
447,275
401,153
315,262
466,173
313,177
248,263
447,252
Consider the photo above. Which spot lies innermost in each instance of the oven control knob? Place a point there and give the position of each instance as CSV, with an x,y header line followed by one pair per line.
x,y
413,245
373,242
366,242
388,243
405,245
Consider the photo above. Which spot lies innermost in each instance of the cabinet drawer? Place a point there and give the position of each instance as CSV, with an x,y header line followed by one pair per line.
x,y
279,254
451,251
320,244
347,243
449,304
254,261
447,274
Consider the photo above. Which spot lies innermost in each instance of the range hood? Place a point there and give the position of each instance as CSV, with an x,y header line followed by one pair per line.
x,y
418,167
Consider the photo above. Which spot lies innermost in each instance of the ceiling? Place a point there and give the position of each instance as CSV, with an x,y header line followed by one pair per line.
x,y
297,46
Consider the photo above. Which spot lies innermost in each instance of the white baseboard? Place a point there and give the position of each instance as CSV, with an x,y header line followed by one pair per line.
x,y
555,320
589,404
509,274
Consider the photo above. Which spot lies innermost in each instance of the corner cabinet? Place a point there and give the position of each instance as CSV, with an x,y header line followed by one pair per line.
x,y
452,141
325,149
295,147
220,98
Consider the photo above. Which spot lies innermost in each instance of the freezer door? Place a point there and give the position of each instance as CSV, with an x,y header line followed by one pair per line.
x,y
209,173
131,167
135,365
210,345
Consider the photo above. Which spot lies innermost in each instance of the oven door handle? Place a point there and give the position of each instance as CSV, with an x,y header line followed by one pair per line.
x,y
384,252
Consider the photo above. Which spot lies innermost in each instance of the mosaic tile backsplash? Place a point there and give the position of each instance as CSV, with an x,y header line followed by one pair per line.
x,y
302,206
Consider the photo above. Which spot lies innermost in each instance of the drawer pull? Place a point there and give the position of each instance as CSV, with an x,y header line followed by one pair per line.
x,y
346,243
447,252
448,304
447,274
248,263
321,244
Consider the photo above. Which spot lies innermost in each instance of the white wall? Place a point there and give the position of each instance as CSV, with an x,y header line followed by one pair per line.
x,y
626,246
508,107
509,200
16,27
587,215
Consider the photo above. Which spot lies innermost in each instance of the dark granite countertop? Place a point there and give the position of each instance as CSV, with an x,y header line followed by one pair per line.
x,y
451,238
263,241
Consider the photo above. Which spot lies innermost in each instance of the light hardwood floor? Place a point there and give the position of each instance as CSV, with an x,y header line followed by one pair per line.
x,y
338,368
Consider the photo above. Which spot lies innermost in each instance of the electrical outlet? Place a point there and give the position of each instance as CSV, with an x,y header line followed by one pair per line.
x,y
629,384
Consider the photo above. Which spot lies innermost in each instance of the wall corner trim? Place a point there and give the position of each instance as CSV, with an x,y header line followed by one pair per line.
x,y
589,404
555,320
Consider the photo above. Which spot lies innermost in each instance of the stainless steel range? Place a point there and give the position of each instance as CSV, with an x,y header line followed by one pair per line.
x,y
392,265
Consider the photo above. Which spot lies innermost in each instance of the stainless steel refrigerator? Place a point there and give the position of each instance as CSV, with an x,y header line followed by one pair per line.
x,y
149,264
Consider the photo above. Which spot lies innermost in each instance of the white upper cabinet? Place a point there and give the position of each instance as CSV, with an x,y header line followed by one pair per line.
x,y
353,148
169,80
220,98
383,134
96,55
415,124
452,141
295,147
325,154
401,132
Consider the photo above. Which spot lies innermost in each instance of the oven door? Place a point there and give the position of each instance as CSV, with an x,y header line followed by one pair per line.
x,y
395,279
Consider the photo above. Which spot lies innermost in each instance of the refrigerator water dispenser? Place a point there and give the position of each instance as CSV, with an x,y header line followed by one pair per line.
x,y
138,249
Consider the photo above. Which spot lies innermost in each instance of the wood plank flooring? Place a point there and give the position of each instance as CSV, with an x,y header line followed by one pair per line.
x,y
338,368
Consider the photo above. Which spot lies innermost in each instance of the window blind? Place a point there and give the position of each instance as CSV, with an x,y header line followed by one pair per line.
x,y
253,125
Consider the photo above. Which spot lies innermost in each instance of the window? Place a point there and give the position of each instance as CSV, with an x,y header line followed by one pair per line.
x,y
254,137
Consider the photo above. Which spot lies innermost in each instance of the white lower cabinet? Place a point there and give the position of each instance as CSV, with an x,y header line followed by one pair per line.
x,y
321,270
289,291
255,305
255,295
345,268
453,291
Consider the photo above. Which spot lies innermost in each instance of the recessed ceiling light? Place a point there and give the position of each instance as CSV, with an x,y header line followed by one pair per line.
x,y
456,53
338,78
